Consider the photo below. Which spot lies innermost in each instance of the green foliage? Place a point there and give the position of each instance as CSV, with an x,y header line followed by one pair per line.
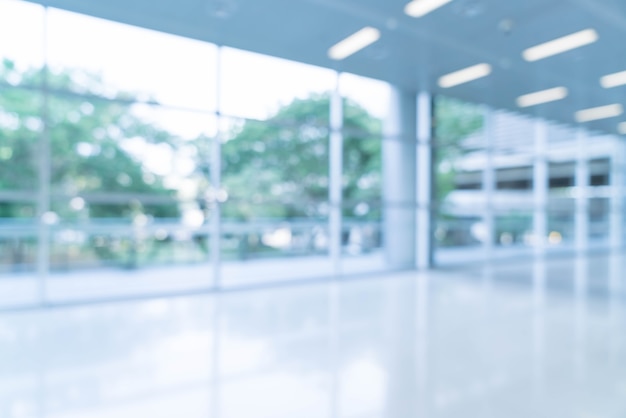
x,y
455,120
276,168
279,167
85,144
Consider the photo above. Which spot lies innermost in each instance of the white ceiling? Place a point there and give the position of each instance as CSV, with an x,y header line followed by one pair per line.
x,y
413,53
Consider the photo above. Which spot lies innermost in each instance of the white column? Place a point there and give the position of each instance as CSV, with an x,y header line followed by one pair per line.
x,y
335,188
216,182
581,183
399,168
540,187
616,205
44,162
489,184
424,175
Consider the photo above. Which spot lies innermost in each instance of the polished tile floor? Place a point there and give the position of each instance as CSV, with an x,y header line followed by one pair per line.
x,y
527,339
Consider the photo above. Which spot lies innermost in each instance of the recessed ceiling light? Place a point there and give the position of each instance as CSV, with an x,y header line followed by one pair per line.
x,y
621,128
465,75
560,45
419,8
601,112
354,43
613,80
544,96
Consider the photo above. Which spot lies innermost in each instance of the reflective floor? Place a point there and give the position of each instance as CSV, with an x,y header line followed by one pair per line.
x,y
541,339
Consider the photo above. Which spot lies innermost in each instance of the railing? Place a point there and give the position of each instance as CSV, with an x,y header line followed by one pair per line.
x,y
123,243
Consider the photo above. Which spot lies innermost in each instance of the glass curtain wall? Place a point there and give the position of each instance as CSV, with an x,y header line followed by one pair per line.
x,y
275,175
510,185
365,105
124,149
459,158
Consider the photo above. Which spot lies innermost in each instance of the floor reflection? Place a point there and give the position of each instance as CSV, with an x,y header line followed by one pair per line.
x,y
439,344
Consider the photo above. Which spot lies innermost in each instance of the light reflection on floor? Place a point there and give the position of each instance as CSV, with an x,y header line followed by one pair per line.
x,y
469,343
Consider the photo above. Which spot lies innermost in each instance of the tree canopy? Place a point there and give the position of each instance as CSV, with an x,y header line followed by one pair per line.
x,y
279,167
276,168
86,137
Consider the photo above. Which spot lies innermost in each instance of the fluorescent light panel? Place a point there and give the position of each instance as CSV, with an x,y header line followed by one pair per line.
x,y
540,97
419,8
354,43
560,45
465,75
613,80
622,128
597,113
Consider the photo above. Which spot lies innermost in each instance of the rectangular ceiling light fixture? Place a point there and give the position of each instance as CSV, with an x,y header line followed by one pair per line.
x,y
354,43
596,113
613,80
419,8
540,97
621,128
465,75
560,45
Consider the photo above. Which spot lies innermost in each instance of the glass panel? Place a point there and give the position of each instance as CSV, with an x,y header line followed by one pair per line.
x,y
275,177
108,146
561,222
22,51
364,94
96,258
460,156
131,191
273,242
21,127
101,57
365,104
18,253
362,204
514,232
258,87
138,240
459,234
599,227
18,233
21,130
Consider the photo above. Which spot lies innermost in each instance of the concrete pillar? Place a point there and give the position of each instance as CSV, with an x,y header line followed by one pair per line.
x,y
540,187
399,185
424,181
335,188
489,184
581,183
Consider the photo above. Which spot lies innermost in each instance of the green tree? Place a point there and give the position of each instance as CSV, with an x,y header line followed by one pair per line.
x,y
86,137
279,168
455,121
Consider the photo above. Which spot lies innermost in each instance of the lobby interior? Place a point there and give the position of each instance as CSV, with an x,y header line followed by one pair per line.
x,y
312,208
